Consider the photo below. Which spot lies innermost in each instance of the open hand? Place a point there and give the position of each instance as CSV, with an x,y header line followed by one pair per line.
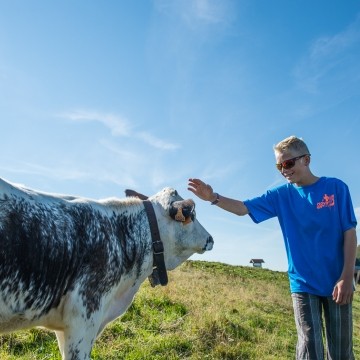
x,y
201,190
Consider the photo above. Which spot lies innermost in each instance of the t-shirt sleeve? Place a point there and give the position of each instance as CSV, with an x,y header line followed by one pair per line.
x,y
261,208
346,209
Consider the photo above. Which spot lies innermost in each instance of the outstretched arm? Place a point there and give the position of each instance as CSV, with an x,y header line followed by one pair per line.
x,y
205,192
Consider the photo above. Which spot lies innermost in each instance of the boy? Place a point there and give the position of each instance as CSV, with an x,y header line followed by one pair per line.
x,y
318,223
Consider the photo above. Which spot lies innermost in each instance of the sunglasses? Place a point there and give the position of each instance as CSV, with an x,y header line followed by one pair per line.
x,y
288,164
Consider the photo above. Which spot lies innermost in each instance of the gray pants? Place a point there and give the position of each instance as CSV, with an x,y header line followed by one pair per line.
x,y
309,310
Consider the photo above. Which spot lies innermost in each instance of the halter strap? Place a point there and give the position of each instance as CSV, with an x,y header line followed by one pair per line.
x,y
159,274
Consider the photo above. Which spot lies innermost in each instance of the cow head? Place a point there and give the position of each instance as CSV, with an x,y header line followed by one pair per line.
x,y
180,231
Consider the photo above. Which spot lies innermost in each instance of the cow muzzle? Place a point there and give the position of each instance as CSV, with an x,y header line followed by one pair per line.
x,y
209,244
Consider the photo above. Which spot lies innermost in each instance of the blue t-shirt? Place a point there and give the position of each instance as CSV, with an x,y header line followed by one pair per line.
x,y
313,220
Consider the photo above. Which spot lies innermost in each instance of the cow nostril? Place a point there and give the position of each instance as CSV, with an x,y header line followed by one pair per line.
x,y
209,244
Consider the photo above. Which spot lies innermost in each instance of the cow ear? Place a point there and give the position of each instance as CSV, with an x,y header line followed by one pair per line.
x,y
182,210
133,193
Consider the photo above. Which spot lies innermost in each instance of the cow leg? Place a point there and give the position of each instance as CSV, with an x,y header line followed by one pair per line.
x,y
77,340
75,344
61,342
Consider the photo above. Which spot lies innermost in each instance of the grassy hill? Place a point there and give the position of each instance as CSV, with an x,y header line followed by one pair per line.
x,y
208,311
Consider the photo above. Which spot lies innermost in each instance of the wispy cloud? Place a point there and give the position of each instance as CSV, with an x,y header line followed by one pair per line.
x,y
119,126
211,11
329,55
121,154
28,168
67,173
204,11
156,142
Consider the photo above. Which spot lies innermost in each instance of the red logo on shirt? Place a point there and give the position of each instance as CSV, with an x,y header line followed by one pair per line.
x,y
328,201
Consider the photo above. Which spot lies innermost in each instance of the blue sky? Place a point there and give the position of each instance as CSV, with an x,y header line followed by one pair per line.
x,y
100,96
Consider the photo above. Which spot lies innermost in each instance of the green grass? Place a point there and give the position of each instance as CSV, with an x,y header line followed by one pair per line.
x,y
208,311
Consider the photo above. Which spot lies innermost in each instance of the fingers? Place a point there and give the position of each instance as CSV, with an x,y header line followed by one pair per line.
x,y
196,185
343,300
193,185
200,189
335,293
196,182
341,297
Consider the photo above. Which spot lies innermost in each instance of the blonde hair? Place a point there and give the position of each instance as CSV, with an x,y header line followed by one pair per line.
x,y
292,144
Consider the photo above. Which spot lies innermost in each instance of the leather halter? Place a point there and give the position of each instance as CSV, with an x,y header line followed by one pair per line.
x,y
159,274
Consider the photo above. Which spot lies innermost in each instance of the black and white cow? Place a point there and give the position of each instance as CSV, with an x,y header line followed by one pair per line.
x,y
72,265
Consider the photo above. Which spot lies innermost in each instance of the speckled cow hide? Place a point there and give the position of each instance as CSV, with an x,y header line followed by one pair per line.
x,y
73,265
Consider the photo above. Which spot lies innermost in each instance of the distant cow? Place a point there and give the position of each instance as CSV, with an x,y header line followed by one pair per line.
x,y
72,265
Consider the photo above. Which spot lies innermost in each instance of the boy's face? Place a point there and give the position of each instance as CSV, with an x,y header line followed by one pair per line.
x,y
292,166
